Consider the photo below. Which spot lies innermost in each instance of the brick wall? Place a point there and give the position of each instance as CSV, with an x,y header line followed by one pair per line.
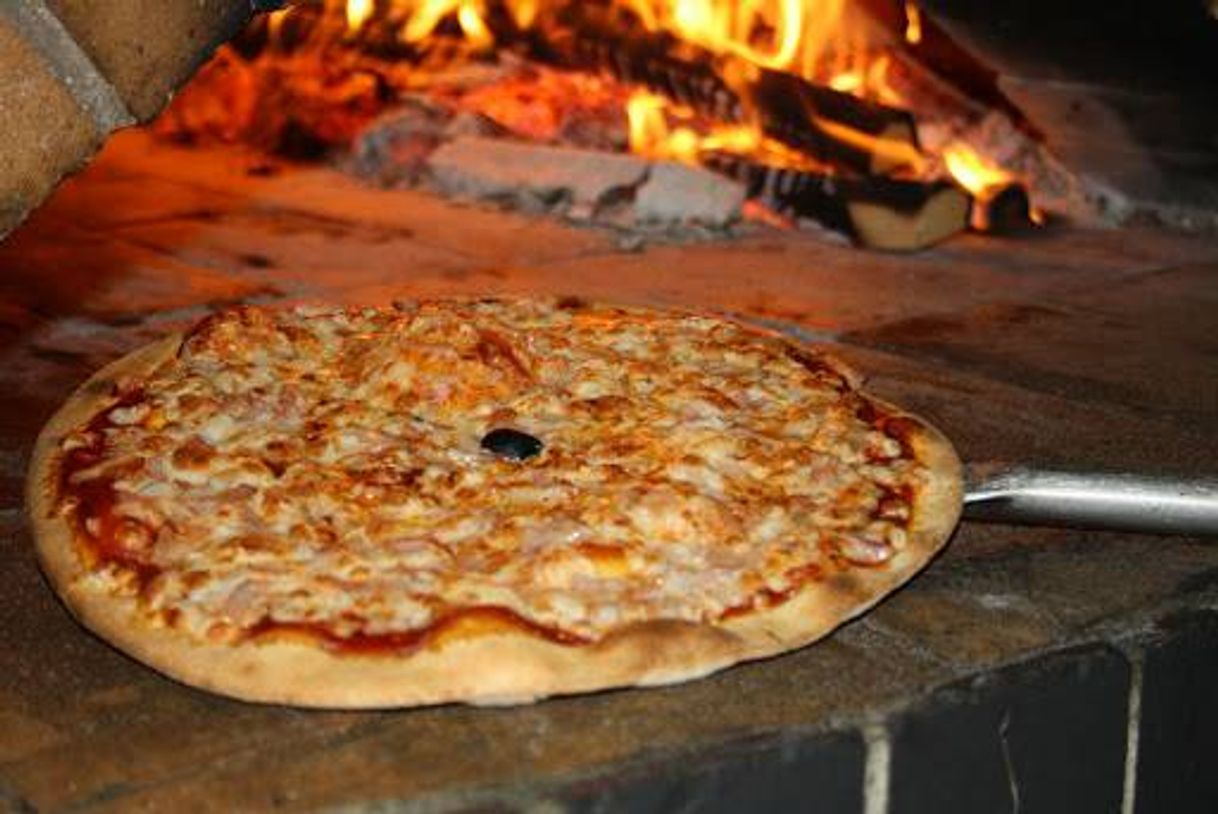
x,y
73,71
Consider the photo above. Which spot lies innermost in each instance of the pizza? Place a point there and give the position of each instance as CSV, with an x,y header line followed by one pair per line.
x,y
486,501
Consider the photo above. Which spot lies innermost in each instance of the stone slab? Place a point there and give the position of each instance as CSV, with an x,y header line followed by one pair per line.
x,y
103,197
483,168
676,194
792,773
824,288
1077,259
303,257
56,269
485,237
993,419
554,749
969,617
1147,341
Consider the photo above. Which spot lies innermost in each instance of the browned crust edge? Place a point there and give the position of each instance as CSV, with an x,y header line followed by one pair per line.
x,y
498,668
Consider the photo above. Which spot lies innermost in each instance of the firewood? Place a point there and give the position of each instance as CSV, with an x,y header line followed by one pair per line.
x,y
656,60
805,116
877,212
823,123
929,214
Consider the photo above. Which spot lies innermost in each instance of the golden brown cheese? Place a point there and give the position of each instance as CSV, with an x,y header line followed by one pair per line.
x,y
323,469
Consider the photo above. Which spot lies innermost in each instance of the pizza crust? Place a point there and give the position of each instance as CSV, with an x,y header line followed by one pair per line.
x,y
501,667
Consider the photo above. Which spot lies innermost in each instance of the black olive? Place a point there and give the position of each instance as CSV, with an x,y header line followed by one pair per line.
x,y
511,444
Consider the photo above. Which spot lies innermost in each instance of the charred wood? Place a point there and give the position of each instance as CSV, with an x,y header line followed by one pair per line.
x,y
877,212
809,117
799,113
1006,211
581,40
824,124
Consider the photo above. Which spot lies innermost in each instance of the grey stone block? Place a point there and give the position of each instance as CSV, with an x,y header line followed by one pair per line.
x,y
1045,736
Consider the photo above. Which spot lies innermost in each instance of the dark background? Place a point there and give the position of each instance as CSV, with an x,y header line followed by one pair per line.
x,y
1132,43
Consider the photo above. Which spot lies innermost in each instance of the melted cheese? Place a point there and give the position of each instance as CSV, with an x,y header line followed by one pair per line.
x,y
324,468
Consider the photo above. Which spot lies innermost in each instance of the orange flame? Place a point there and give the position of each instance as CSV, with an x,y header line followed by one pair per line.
x,y
868,80
807,37
424,15
472,26
359,12
913,23
524,12
729,27
983,179
653,136
972,171
275,21
889,152
827,41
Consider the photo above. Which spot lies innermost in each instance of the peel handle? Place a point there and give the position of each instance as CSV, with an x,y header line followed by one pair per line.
x,y
1122,501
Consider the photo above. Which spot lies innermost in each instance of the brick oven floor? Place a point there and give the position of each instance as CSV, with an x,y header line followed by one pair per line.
x,y
1002,679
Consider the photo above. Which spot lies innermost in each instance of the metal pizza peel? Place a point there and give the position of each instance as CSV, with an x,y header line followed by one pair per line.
x,y
1120,501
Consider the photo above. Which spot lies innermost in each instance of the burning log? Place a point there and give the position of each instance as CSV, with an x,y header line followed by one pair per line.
x,y
823,123
877,212
658,61
803,148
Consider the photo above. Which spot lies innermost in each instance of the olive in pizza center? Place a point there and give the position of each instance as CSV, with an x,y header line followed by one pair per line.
x,y
513,445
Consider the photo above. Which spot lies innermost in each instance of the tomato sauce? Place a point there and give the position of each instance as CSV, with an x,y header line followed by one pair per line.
x,y
457,624
93,518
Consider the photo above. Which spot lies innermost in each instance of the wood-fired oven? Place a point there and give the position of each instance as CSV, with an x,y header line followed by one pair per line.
x,y
1004,218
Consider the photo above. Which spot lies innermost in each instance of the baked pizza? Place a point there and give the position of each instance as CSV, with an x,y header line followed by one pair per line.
x,y
488,501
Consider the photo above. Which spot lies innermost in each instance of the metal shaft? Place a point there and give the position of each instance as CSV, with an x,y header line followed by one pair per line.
x,y
1114,500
